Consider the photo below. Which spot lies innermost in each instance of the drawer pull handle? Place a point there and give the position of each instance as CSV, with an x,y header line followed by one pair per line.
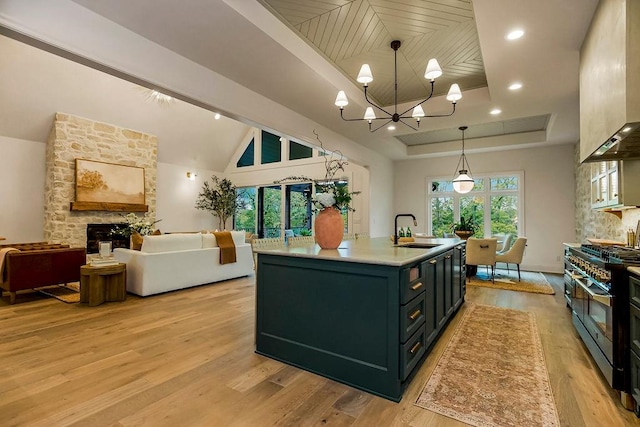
x,y
415,348
433,261
415,314
416,286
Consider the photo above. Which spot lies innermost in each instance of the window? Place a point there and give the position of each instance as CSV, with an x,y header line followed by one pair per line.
x,y
271,148
269,211
495,203
298,208
299,151
245,217
247,157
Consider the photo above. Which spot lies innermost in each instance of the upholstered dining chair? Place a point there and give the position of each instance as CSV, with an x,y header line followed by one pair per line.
x,y
266,243
297,241
482,252
514,254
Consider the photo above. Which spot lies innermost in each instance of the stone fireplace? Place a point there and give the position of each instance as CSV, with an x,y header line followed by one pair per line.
x,y
102,232
74,138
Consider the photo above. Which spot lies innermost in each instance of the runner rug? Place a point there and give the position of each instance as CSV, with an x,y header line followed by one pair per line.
x,y
530,282
492,372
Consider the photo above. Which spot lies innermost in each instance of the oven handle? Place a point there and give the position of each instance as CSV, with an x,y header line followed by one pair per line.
x,y
602,299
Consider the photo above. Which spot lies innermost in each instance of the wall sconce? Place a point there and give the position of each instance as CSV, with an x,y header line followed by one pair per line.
x,y
191,176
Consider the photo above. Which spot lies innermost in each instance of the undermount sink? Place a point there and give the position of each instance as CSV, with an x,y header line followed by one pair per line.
x,y
419,245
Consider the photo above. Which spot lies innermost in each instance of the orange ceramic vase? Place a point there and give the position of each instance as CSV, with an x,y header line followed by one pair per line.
x,y
329,228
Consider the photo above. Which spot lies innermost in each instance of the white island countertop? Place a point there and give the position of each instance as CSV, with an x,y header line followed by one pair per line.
x,y
379,250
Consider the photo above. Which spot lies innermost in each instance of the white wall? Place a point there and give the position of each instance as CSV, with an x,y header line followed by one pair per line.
x,y
22,191
176,198
549,195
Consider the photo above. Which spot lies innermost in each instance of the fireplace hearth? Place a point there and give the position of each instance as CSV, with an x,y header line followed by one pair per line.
x,y
101,232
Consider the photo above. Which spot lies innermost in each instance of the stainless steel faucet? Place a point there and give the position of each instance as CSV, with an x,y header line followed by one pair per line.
x,y
395,226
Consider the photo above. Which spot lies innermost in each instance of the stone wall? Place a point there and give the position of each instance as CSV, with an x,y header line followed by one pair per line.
x,y
594,223
74,138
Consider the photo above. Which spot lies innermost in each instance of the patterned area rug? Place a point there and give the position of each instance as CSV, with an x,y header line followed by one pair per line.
x,y
530,282
69,293
492,372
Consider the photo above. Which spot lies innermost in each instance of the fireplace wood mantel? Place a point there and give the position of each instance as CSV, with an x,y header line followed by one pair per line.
x,y
106,206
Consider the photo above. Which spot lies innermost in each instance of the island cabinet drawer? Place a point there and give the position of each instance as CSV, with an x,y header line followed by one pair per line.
x,y
634,290
412,317
634,328
411,352
635,379
411,283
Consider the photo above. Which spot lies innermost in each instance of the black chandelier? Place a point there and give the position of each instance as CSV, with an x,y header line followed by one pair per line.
x,y
365,77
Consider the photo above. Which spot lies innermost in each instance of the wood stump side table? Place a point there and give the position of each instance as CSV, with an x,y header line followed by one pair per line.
x,y
103,283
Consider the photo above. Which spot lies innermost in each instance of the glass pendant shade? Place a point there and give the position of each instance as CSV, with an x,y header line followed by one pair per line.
x,y
454,94
364,76
463,183
341,99
417,112
433,70
369,114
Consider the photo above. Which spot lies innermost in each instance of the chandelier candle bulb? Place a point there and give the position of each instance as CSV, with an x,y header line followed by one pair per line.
x,y
418,112
369,114
364,76
341,99
454,94
433,70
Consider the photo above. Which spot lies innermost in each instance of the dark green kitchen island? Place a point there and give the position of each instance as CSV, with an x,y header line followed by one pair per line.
x,y
365,314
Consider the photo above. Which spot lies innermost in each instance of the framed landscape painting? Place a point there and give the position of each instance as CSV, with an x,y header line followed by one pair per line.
x,y
109,183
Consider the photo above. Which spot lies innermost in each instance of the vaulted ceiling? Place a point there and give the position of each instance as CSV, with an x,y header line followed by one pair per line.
x,y
315,48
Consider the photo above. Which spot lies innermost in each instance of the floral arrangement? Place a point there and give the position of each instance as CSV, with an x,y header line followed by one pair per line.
x,y
329,191
332,194
134,223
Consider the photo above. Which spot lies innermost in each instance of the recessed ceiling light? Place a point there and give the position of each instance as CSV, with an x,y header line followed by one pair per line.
x,y
515,86
217,116
495,111
391,127
515,34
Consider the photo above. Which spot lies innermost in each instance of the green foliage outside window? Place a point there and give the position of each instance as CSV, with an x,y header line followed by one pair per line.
x,y
245,218
441,215
272,211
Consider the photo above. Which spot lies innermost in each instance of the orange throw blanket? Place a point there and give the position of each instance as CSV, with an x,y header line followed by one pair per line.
x,y
227,247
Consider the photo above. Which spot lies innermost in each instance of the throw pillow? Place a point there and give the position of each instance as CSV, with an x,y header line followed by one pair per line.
x,y
136,241
157,232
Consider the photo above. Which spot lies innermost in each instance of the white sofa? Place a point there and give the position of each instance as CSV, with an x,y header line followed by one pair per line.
x,y
176,261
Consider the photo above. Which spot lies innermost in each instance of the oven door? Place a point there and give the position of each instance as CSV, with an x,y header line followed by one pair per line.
x,y
596,314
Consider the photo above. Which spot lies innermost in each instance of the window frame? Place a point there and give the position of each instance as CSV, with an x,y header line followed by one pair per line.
x,y
486,193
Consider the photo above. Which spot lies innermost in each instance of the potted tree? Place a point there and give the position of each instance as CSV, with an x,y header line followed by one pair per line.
x,y
465,228
219,198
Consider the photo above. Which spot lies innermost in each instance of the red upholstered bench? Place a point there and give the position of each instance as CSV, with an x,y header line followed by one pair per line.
x,y
40,264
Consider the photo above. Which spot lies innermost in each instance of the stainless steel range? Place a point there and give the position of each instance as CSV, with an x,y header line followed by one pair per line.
x,y
597,291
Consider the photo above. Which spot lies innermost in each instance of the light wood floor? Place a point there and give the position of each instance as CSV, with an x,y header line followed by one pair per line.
x,y
186,359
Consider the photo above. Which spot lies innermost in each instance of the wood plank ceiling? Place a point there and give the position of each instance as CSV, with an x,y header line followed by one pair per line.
x,y
351,33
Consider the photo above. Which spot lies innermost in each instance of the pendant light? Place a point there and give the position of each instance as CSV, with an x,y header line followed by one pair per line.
x,y
463,183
